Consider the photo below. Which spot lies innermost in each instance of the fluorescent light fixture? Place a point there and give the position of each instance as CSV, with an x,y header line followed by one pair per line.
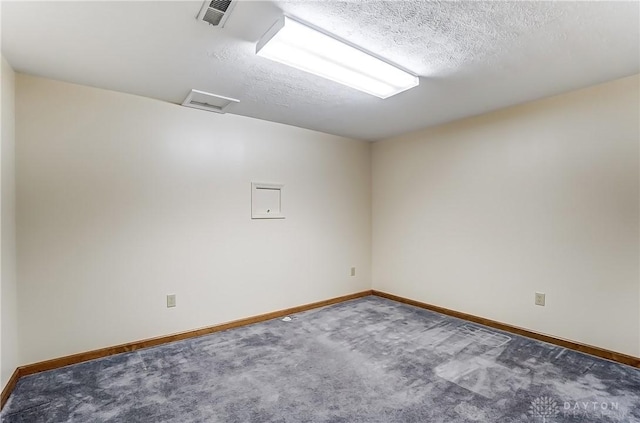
x,y
302,47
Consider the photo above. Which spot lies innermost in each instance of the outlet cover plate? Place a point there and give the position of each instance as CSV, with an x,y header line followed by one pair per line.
x,y
540,298
171,300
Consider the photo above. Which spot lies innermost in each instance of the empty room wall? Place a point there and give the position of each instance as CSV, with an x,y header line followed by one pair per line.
x,y
8,288
123,200
479,214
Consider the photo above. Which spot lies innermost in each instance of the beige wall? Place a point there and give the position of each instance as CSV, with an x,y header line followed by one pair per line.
x,y
123,199
479,214
8,288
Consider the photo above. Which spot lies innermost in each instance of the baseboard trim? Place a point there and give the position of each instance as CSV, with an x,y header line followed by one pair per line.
x,y
6,391
577,346
152,342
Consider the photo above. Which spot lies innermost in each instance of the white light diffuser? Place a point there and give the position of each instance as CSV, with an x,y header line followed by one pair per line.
x,y
302,47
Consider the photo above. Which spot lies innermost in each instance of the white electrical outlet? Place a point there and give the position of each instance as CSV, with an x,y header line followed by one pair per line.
x,y
353,271
171,300
540,298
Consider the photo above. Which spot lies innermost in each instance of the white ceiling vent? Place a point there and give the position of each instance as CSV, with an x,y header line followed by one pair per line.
x,y
216,12
209,102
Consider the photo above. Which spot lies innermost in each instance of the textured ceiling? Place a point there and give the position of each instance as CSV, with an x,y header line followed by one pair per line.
x,y
472,57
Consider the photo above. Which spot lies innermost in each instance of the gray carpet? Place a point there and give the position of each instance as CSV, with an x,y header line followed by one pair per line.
x,y
367,360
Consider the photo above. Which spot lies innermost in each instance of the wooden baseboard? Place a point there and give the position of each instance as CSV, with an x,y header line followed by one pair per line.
x,y
152,342
6,392
577,346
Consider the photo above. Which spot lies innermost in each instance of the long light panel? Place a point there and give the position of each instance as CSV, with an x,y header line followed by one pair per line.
x,y
294,44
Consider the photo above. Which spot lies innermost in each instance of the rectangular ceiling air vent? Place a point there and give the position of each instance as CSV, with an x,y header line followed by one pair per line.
x,y
209,102
216,12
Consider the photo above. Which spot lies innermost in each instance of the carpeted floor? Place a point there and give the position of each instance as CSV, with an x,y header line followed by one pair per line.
x,y
366,360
